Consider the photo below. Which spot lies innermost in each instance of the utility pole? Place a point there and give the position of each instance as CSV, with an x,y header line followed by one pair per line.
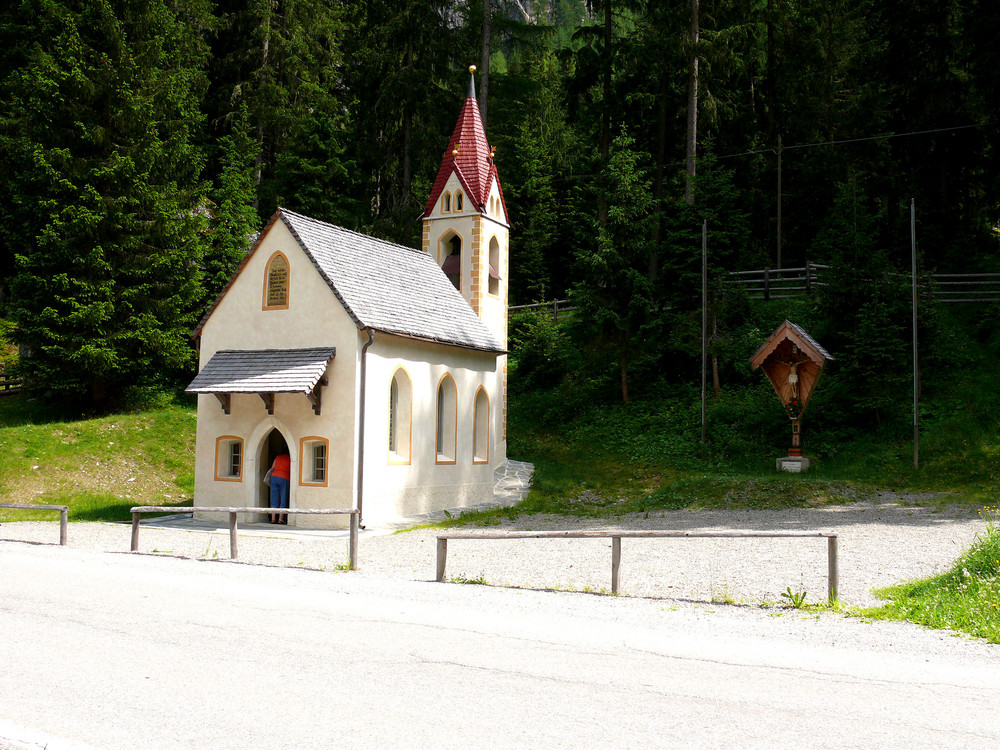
x,y
778,259
916,376
704,322
691,140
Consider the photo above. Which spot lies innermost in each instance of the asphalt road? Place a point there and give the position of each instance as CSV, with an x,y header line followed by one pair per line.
x,y
113,650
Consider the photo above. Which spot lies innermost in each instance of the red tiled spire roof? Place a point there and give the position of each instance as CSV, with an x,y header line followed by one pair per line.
x,y
473,164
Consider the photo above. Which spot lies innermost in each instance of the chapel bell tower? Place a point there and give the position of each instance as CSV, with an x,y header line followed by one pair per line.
x,y
466,228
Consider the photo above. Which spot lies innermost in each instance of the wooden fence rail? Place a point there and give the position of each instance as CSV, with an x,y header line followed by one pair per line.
x,y
63,516
967,287
778,283
616,545
785,283
771,283
9,386
234,512
558,307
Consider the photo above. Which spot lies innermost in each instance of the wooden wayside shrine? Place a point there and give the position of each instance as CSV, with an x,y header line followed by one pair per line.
x,y
793,361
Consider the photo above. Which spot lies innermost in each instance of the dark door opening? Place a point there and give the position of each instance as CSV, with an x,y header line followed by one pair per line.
x,y
274,445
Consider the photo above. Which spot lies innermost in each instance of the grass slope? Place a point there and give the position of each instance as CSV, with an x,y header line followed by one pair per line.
x,y
99,467
965,598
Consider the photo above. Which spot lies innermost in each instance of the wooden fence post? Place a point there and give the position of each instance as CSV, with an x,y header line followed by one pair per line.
x,y
135,532
353,551
833,577
233,548
767,284
63,523
616,562
442,557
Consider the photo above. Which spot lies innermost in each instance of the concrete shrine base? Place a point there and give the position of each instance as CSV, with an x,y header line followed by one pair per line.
x,y
792,463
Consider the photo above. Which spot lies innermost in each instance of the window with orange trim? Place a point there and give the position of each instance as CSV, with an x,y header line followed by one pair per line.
x,y
314,463
276,278
493,287
400,416
229,458
447,420
481,428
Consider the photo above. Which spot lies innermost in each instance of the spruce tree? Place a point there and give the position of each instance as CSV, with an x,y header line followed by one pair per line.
x,y
614,292
234,219
102,178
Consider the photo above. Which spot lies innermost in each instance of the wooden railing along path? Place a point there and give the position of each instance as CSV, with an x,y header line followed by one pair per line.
x,y
616,545
234,512
63,515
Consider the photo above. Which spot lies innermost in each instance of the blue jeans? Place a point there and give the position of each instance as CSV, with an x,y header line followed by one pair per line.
x,y
279,492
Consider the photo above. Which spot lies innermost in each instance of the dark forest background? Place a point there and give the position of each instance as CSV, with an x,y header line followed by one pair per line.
x,y
144,142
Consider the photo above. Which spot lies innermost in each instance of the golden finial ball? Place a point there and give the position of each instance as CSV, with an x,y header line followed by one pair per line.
x,y
472,68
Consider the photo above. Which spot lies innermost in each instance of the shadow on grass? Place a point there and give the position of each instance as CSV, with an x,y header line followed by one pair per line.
x,y
97,506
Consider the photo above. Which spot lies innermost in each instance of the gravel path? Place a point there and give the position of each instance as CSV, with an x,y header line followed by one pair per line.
x,y
880,544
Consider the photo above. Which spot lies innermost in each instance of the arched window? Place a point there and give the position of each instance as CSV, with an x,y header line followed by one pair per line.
x,y
451,258
459,200
447,420
494,269
481,428
276,283
446,203
400,417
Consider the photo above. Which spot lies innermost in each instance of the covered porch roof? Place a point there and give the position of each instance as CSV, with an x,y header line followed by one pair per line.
x,y
264,372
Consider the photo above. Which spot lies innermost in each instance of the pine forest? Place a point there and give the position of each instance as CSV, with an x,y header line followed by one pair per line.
x,y
143,143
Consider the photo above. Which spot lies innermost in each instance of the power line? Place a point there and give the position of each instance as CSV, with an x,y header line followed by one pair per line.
x,y
883,137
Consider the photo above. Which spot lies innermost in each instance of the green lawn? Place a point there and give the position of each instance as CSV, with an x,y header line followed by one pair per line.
x,y
99,467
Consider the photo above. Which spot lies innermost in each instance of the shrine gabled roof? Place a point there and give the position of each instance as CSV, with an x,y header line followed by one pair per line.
x,y
263,371
473,164
788,330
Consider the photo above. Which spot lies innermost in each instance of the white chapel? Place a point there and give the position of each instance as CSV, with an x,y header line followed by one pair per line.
x,y
379,369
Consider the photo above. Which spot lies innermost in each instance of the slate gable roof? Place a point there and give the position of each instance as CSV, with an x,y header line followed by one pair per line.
x,y
263,371
384,286
390,287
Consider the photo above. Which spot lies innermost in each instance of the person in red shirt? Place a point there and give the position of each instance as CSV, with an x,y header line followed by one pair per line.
x,y
280,478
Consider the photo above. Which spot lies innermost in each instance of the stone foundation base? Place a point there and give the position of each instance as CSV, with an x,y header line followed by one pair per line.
x,y
792,463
